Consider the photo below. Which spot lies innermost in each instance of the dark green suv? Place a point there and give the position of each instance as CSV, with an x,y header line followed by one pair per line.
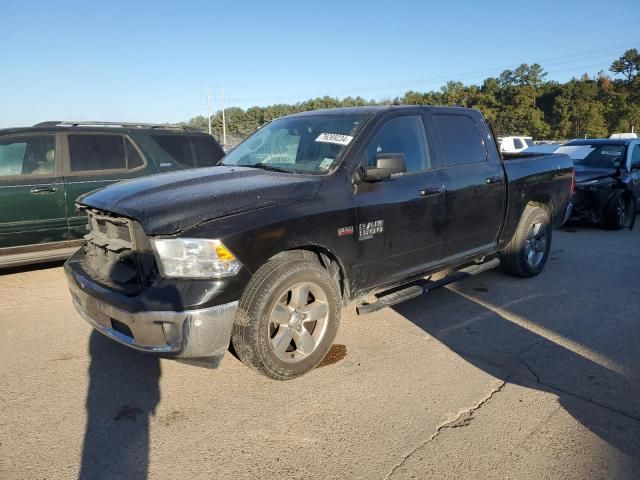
x,y
44,168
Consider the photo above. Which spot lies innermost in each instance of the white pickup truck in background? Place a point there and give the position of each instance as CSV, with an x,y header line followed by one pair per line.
x,y
514,144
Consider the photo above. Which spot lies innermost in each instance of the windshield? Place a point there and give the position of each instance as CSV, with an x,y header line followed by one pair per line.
x,y
306,144
597,156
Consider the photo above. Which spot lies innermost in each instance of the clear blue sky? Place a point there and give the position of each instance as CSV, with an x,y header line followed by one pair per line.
x,y
150,60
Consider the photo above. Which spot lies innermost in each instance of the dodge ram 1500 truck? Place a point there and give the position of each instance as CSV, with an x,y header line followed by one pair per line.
x,y
311,212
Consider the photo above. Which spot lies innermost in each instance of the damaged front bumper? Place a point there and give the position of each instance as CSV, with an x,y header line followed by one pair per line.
x,y
198,336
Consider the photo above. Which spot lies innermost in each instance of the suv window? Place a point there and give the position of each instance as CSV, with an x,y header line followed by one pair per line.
x,y
27,155
460,140
406,135
91,152
190,151
517,143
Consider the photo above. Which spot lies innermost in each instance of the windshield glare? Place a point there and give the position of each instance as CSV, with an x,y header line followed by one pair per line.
x,y
597,156
306,144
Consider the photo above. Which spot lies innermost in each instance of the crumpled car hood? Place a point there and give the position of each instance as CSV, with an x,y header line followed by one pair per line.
x,y
169,203
585,174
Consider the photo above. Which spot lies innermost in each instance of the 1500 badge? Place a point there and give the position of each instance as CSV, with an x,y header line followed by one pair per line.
x,y
369,229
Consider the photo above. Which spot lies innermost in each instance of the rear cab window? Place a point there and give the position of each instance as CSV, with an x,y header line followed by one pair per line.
x,y
190,151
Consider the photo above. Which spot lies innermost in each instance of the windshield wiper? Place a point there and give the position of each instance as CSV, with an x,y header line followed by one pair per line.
x,y
263,166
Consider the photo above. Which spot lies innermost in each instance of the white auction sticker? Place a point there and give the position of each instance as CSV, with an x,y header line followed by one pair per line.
x,y
336,138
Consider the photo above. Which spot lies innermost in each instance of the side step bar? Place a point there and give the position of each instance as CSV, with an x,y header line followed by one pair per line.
x,y
398,296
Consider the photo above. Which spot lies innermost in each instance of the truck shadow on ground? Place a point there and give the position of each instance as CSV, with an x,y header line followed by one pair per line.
x,y
530,342
123,394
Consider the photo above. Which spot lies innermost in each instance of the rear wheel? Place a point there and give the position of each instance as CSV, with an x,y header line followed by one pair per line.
x,y
287,318
527,253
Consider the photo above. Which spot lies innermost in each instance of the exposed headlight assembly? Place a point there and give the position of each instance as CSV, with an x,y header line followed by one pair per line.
x,y
194,258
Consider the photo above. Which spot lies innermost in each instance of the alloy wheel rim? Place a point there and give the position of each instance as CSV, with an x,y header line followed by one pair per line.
x,y
298,322
536,244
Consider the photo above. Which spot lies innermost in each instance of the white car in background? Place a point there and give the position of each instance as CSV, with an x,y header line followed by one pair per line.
x,y
514,144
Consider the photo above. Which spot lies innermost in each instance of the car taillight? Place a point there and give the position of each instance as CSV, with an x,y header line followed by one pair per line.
x,y
573,182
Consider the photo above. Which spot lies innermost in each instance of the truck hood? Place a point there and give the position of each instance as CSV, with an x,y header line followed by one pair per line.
x,y
169,203
585,174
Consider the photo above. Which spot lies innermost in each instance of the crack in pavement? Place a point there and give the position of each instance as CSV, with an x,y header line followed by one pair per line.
x,y
575,395
462,420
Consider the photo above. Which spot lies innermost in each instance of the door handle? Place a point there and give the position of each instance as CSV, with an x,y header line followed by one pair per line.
x,y
49,189
493,180
432,190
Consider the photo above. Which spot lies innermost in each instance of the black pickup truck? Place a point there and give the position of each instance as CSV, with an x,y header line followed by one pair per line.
x,y
313,211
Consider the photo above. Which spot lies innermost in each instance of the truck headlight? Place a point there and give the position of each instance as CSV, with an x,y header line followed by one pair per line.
x,y
195,258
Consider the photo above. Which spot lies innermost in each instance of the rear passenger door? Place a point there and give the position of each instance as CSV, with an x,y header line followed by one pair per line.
x,y
32,209
93,161
474,182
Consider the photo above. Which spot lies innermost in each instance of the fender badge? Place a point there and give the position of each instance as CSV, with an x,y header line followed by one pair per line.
x,y
344,231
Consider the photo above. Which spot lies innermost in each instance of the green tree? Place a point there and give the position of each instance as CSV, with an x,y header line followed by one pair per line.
x,y
518,101
628,65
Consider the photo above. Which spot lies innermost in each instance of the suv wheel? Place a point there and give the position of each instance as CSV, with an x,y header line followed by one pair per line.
x,y
287,318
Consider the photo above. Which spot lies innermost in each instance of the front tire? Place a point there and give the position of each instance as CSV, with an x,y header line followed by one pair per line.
x,y
287,318
527,253
619,211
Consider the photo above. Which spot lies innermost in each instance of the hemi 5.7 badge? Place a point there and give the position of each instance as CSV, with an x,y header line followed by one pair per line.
x,y
369,229
344,231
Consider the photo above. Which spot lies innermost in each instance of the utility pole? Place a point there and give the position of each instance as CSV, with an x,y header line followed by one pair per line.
x,y
209,108
224,124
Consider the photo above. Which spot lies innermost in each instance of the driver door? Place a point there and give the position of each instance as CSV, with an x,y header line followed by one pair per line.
x,y
400,221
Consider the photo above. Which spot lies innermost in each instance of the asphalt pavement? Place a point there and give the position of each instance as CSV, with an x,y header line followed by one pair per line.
x,y
492,377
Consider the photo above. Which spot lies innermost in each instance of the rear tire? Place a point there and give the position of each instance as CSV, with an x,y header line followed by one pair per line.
x,y
528,251
287,318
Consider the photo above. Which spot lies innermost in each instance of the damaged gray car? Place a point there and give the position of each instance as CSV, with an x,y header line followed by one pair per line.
x,y
607,176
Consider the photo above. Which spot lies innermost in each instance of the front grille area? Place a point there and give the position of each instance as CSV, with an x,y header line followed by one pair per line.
x,y
117,249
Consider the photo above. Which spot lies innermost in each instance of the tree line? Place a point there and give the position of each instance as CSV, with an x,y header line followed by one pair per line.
x,y
518,102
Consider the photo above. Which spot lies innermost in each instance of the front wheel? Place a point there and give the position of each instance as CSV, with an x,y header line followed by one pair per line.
x,y
287,318
619,212
527,253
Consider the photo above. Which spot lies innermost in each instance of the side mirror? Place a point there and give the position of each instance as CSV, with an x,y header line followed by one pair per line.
x,y
387,164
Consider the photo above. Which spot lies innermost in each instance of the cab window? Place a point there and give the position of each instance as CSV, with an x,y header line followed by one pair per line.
x,y
405,135
27,155
460,140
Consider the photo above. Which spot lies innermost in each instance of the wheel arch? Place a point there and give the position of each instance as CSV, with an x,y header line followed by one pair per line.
x,y
325,257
